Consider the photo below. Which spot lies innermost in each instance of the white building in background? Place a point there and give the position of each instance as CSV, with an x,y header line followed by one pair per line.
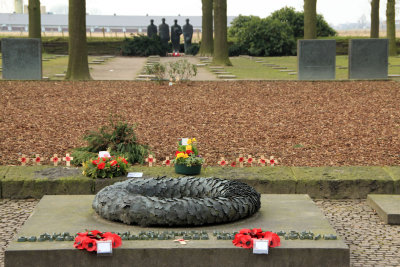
x,y
95,23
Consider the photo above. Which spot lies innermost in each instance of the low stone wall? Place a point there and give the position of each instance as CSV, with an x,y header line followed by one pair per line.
x,y
352,182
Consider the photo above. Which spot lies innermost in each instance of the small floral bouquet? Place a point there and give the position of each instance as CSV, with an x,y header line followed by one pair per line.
x,y
188,154
246,237
88,240
105,167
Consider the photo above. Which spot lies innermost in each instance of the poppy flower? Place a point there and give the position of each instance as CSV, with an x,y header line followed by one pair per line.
x,y
272,161
241,159
55,159
23,160
246,241
96,233
90,244
222,163
262,161
124,161
274,239
95,162
37,159
189,152
113,163
101,166
150,160
104,158
245,231
79,242
67,159
236,240
250,160
168,162
233,164
115,239
255,232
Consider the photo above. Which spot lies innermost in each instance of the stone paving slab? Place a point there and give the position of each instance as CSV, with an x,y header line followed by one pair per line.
x,y
278,212
387,207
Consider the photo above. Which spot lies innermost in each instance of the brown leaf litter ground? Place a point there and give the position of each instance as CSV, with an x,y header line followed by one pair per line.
x,y
302,123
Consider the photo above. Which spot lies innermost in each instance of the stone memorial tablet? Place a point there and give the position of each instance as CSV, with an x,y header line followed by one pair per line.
x,y
316,59
368,58
22,58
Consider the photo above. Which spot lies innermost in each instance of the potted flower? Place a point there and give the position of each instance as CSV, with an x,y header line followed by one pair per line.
x,y
187,160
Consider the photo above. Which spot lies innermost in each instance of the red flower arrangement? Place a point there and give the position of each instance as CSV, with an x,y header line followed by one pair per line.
x,y
88,240
106,167
245,238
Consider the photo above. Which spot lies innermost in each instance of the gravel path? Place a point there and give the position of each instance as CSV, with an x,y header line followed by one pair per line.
x,y
371,242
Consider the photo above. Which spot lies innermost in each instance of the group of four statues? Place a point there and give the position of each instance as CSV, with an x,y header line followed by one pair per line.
x,y
176,31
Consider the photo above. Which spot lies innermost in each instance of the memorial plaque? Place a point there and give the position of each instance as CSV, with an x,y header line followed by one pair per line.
x,y
22,58
316,59
368,58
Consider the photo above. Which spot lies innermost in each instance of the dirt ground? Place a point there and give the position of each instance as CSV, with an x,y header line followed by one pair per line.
x,y
302,123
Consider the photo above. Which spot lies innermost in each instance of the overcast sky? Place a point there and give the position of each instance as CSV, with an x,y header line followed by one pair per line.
x,y
334,11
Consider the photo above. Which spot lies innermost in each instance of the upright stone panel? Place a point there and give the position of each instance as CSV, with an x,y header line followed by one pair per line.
x,y
22,58
368,58
316,59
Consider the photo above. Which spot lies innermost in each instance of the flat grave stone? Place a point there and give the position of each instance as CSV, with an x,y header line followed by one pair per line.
x,y
94,62
146,76
201,65
215,67
226,76
59,75
286,70
316,59
292,73
368,58
45,59
387,207
74,214
279,68
22,58
221,72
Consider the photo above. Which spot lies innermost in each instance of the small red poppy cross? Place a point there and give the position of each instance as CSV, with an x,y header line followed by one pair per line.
x,y
222,162
250,160
67,159
23,159
262,161
167,162
151,160
240,159
181,241
55,159
37,159
272,161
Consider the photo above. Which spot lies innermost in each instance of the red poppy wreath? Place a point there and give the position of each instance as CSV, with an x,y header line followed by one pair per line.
x,y
88,240
245,238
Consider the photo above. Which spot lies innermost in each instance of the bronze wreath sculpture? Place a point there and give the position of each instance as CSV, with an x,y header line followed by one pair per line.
x,y
176,201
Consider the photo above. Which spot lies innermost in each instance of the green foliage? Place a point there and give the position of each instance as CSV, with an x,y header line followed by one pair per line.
x,y
193,49
188,155
181,70
143,46
272,36
157,70
119,138
105,167
81,155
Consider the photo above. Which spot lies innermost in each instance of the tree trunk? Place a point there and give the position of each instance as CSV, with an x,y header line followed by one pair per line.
x,y
310,19
207,42
391,27
34,19
78,66
221,55
374,18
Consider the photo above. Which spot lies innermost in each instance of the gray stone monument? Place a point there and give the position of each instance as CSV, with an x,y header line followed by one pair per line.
x,y
22,58
316,59
163,30
176,32
187,35
368,58
151,29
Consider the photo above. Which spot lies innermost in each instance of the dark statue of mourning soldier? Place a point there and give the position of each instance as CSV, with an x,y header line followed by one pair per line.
x,y
176,32
152,29
163,30
187,35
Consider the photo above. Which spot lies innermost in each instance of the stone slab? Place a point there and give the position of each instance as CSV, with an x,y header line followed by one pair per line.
x,y
22,58
316,59
387,207
278,212
368,58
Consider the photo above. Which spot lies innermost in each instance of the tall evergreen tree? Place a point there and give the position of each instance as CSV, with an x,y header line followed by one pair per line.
x,y
310,19
391,27
207,40
221,53
374,19
78,66
34,19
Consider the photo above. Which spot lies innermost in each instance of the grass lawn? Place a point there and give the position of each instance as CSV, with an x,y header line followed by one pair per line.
x,y
55,65
245,68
